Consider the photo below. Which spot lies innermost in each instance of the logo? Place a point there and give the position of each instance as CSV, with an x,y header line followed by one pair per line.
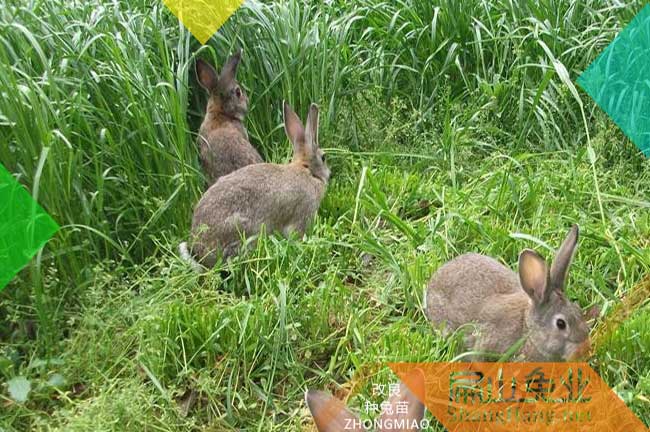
x,y
518,396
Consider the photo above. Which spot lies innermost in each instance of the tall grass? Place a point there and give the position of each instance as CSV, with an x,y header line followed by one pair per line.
x,y
447,127
104,91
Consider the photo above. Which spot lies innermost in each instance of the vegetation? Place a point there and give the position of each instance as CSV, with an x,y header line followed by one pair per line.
x,y
450,126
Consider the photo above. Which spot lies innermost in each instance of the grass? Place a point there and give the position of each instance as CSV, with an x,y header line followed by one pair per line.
x,y
448,129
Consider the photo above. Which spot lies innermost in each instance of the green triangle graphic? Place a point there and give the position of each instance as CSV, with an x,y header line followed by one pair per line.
x,y
24,227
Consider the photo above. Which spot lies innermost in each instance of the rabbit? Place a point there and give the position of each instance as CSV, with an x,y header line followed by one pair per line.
x,y
282,198
223,140
331,415
506,308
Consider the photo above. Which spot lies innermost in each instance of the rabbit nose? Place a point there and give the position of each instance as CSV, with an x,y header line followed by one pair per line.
x,y
582,351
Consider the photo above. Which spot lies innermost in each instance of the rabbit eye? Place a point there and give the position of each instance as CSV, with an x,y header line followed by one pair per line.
x,y
322,156
238,92
560,323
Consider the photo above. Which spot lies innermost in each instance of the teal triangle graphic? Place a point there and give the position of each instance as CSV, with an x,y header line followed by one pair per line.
x,y
619,80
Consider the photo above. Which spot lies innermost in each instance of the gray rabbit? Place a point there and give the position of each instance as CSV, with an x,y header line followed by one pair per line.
x,y
505,308
331,415
282,198
223,140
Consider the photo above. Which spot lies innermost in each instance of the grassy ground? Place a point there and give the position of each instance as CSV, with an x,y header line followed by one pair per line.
x,y
450,127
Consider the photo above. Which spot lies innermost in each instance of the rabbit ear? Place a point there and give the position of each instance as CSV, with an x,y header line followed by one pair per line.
x,y
394,419
311,131
296,133
330,414
229,71
562,261
206,75
533,275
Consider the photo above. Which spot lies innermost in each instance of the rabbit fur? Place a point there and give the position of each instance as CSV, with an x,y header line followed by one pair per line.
x,y
505,308
223,140
278,198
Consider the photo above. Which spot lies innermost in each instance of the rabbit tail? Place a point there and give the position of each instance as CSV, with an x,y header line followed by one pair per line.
x,y
186,255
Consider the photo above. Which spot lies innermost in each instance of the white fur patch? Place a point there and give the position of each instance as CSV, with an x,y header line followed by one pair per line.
x,y
185,254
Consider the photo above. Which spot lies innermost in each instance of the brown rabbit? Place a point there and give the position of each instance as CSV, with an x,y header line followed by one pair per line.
x,y
282,198
505,308
223,140
331,415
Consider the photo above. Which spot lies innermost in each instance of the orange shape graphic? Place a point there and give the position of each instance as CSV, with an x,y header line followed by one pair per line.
x,y
536,397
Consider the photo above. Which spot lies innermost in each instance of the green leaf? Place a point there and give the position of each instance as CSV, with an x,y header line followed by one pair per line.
x,y
57,380
5,365
562,72
591,154
19,388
